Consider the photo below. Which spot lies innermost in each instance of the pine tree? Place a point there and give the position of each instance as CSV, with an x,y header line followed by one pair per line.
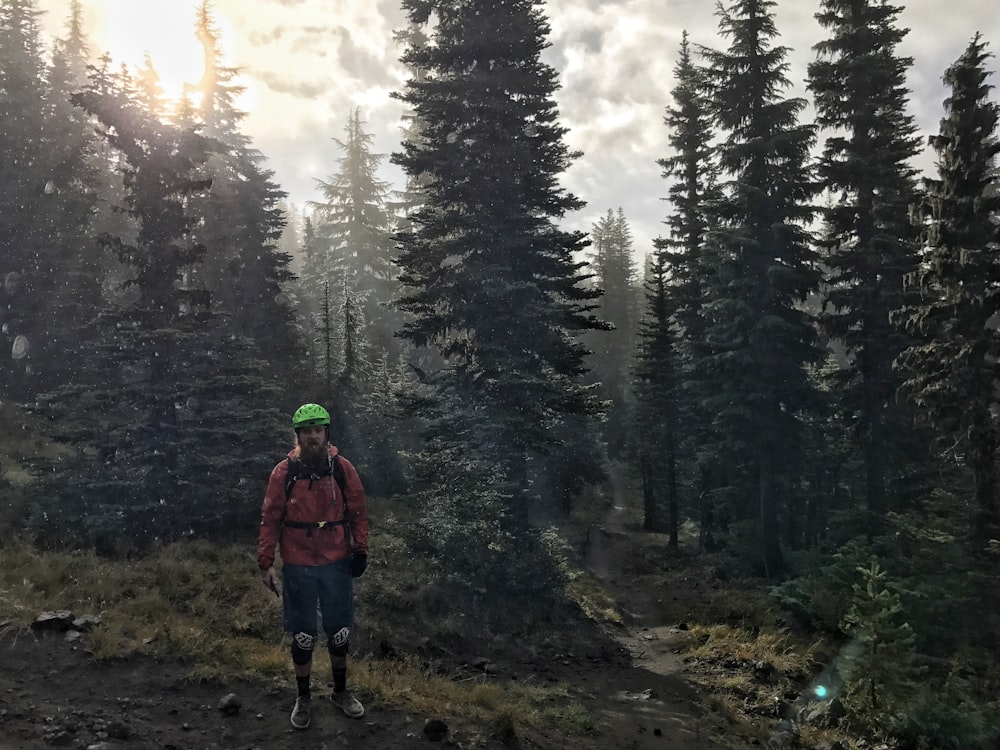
x,y
46,203
614,273
878,667
858,81
353,218
242,218
950,369
73,302
761,341
682,254
492,283
292,235
317,270
150,94
658,396
378,421
217,110
167,385
411,197
71,54
111,217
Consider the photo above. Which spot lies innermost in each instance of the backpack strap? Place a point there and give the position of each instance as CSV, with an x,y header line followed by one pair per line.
x,y
340,477
292,476
295,466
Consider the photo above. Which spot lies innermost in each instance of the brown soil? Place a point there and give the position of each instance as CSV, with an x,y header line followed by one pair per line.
x,y
52,694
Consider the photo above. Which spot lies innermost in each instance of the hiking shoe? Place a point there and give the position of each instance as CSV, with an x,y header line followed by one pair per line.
x,y
300,713
347,703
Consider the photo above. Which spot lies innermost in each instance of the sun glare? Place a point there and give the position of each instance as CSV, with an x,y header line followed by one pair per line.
x,y
164,29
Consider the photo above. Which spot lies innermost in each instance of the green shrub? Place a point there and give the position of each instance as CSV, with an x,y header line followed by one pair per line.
x,y
878,669
947,716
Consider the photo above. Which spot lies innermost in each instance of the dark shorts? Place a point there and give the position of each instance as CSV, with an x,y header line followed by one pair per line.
x,y
331,586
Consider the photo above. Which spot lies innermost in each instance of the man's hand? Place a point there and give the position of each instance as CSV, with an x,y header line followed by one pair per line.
x,y
270,579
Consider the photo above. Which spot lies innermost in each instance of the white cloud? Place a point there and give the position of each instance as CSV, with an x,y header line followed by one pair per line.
x,y
309,63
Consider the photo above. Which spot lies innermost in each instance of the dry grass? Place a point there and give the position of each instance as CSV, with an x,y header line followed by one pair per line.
x,y
768,645
202,605
409,683
593,599
750,670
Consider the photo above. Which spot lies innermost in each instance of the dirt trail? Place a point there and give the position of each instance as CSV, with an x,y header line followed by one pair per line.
x,y
652,705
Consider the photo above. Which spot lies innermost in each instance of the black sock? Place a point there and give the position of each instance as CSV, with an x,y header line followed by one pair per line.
x,y
303,683
339,680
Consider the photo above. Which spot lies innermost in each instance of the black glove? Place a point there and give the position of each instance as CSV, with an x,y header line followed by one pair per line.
x,y
359,563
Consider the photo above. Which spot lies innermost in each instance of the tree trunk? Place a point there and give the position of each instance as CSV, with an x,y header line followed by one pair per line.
x,y
673,522
875,461
769,532
653,515
982,461
706,517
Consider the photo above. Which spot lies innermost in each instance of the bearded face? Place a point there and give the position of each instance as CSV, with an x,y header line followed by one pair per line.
x,y
313,446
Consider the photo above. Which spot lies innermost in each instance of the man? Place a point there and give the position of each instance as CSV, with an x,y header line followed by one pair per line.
x,y
315,505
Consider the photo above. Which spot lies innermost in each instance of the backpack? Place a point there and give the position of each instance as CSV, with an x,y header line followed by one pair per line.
x,y
295,473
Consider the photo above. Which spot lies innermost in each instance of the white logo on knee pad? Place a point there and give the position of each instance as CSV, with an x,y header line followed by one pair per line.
x,y
304,641
340,637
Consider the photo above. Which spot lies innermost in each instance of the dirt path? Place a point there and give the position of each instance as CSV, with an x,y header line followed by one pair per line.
x,y
653,706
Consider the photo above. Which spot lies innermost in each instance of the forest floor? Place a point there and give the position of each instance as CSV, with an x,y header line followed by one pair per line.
x,y
52,694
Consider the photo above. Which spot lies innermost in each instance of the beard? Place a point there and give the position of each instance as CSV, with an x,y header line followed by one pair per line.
x,y
314,455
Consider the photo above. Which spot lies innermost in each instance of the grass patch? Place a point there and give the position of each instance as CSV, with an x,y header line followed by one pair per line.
x,y
202,605
724,641
409,683
755,672
593,599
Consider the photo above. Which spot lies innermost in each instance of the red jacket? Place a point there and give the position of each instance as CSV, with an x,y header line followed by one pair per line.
x,y
312,501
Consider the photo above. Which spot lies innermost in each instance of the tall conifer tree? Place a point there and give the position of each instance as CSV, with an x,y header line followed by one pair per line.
x,y
353,218
614,273
167,383
242,217
859,84
71,54
410,198
693,175
46,203
80,171
693,190
317,270
658,397
149,91
951,369
761,341
492,282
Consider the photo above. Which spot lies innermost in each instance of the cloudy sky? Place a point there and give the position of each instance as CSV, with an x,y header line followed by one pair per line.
x,y
308,63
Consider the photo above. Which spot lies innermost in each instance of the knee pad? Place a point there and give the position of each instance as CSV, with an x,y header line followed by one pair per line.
x,y
302,648
338,642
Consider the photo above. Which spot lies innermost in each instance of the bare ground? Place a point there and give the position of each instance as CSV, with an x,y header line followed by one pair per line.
x,y
52,694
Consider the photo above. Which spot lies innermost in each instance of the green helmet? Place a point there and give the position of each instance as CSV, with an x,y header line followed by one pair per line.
x,y
308,415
